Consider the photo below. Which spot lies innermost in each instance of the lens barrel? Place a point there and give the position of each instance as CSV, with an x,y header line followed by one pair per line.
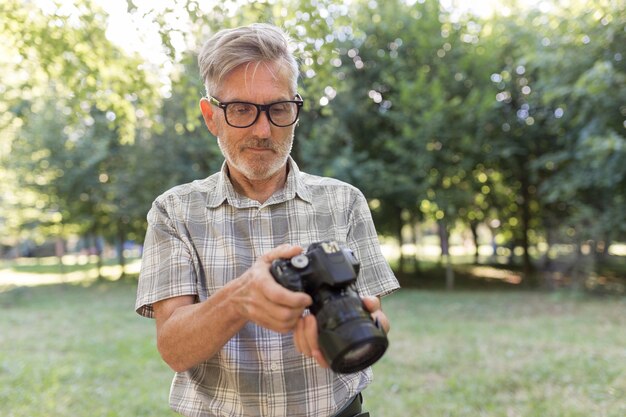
x,y
348,338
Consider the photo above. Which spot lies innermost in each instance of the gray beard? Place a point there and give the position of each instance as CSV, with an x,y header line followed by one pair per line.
x,y
258,173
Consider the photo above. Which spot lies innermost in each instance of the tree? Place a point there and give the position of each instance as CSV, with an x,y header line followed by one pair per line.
x,y
81,103
584,77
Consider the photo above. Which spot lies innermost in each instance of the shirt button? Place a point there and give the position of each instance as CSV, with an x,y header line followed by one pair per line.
x,y
274,366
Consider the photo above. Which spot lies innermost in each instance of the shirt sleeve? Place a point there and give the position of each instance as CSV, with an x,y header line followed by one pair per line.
x,y
375,275
167,265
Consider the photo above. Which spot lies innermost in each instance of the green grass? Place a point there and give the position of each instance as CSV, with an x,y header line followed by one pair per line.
x,y
80,350
502,354
72,350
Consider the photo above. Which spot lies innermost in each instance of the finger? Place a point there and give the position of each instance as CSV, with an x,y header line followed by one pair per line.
x,y
312,340
282,251
371,303
321,361
382,320
310,332
261,302
280,304
278,294
275,292
300,340
374,306
262,281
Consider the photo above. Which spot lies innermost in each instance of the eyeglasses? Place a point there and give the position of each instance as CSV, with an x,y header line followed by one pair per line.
x,y
243,114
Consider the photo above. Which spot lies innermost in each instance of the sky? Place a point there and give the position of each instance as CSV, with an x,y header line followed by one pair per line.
x,y
141,37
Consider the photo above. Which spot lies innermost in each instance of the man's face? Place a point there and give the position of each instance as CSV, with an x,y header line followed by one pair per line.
x,y
257,152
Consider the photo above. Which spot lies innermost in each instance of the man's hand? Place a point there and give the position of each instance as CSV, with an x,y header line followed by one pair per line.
x,y
262,300
306,340
189,332
374,306
306,336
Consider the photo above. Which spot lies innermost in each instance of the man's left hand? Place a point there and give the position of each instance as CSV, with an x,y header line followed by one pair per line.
x,y
306,336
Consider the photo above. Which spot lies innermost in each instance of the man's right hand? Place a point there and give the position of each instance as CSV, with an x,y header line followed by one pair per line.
x,y
260,299
189,332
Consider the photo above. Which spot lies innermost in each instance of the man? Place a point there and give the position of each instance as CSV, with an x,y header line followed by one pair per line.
x,y
240,343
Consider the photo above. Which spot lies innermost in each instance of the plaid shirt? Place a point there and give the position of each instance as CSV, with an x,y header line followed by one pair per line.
x,y
202,235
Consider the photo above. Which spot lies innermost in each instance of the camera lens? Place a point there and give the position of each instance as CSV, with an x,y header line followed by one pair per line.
x,y
349,338
356,355
360,357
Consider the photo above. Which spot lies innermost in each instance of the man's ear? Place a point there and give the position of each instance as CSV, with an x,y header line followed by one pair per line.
x,y
207,114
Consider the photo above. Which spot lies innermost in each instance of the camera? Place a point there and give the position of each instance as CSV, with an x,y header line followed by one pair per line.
x,y
348,337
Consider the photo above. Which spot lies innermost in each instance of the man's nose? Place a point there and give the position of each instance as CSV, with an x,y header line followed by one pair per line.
x,y
262,127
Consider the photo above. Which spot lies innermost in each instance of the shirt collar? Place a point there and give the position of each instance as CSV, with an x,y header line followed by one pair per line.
x,y
224,190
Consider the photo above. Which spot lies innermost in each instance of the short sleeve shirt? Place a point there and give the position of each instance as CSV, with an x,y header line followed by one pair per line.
x,y
202,235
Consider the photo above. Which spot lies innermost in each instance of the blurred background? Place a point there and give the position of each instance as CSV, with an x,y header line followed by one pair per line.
x,y
482,134
489,138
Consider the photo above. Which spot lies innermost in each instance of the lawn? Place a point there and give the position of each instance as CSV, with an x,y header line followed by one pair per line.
x,y
80,350
508,353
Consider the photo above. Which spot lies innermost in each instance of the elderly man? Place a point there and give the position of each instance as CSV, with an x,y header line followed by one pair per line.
x,y
240,343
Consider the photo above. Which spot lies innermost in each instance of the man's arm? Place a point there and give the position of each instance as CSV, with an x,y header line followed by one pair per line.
x,y
189,333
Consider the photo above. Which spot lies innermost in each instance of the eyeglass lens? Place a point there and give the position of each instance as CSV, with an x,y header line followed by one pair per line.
x,y
244,114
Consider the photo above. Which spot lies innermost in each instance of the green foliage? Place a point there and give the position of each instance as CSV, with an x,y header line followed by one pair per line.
x,y
514,120
74,102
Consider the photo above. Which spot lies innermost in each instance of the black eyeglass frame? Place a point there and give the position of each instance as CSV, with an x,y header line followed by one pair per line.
x,y
299,101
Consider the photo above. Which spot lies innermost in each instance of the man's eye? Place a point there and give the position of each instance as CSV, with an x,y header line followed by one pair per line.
x,y
240,109
279,108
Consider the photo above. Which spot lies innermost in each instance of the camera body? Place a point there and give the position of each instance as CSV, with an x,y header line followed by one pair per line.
x,y
348,337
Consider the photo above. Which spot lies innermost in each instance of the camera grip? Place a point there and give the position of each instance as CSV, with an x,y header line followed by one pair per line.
x,y
285,276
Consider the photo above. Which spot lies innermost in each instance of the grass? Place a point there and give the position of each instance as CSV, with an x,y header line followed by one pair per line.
x,y
80,350
74,350
502,354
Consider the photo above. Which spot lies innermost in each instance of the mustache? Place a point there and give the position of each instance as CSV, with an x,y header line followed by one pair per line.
x,y
263,143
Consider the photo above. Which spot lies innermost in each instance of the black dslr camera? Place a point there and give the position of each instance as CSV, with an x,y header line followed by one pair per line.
x,y
348,337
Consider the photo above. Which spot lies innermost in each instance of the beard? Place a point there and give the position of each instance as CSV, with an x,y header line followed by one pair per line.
x,y
257,166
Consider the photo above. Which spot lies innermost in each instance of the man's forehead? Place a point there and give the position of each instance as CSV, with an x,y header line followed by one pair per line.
x,y
263,79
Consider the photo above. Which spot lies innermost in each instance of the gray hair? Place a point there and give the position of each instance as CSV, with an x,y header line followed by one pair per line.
x,y
256,43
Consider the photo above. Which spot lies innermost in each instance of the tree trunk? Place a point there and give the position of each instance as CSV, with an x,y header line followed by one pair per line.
x,y
578,269
121,238
527,266
494,245
416,241
59,249
98,251
443,240
445,254
526,225
474,229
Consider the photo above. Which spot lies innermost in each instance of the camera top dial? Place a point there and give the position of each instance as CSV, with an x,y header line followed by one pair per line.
x,y
300,261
